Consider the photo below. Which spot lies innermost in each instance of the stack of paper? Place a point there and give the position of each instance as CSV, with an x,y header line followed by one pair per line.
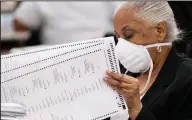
x,y
11,111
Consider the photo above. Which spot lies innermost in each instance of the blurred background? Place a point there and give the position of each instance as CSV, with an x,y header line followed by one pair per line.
x,y
28,25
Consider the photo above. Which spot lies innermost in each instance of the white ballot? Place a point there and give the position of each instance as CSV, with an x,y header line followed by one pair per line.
x,y
12,61
64,84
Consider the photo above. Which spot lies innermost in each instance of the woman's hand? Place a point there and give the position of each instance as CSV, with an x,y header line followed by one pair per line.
x,y
129,88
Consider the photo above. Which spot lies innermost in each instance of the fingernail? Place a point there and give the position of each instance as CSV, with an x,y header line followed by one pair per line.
x,y
108,72
105,78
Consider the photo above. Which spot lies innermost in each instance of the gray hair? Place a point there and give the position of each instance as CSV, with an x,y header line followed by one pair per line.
x,y
154,13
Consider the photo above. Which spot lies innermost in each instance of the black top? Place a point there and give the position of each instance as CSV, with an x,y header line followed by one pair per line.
x,y
170,96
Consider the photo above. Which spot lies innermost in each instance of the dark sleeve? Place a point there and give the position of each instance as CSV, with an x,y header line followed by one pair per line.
x,y
183,113
186,110
183,110
145,114
187,113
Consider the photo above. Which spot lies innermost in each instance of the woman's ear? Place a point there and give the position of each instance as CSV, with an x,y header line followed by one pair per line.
x,y
161,31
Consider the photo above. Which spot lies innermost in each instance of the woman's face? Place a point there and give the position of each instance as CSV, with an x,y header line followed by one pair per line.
x,y
137,31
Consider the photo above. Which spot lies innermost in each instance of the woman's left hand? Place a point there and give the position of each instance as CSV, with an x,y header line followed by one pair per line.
x,y
129,87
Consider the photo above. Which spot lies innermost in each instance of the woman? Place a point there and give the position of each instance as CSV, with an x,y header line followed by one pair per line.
x,y
168,96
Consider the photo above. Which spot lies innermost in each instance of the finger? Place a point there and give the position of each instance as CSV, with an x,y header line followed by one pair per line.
x,y
114,75
116,83
125,78
122,77
122,91
128,93
128,79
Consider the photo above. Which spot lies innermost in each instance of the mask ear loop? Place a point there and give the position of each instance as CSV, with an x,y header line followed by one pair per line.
x,y
126,71
151,68
148,79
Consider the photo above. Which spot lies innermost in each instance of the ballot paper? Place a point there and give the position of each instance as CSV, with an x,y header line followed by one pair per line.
x,y
63,82
11,63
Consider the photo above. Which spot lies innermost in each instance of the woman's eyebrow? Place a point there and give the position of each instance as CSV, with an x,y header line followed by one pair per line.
x,y
125,27
128,28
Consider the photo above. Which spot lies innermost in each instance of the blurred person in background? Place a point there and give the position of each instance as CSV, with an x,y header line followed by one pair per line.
x,y
65,22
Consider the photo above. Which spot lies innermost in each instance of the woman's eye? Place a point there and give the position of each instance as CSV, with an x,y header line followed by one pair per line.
x,y
128,34
128,37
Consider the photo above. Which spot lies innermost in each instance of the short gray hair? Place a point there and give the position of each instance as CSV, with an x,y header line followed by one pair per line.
x,y
153,13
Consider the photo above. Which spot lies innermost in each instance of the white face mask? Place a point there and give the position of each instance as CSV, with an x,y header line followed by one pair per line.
x,y
136,58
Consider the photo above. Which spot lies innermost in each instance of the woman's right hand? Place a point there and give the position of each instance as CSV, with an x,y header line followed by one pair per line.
x,y
129,87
